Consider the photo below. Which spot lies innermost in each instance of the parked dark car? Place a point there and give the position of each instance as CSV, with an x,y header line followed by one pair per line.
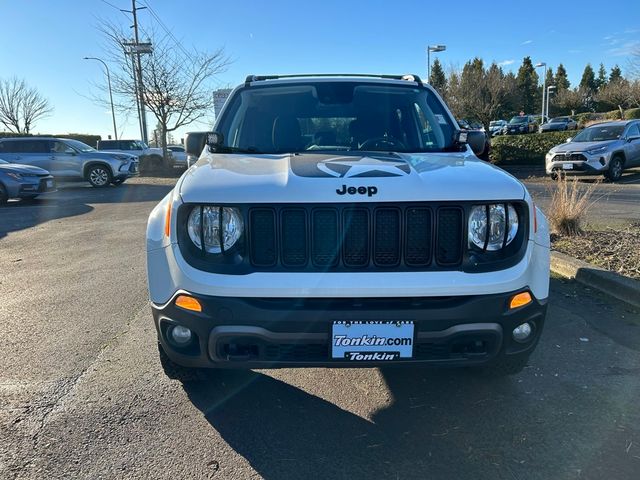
x,y
559,124
521,124
23,181
476,126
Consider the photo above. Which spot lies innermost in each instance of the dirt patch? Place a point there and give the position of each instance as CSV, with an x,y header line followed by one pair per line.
x,y
616,249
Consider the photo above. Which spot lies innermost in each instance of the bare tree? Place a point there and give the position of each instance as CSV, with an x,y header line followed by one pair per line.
x,y
177,84
616,94
482,94
21,106
569,101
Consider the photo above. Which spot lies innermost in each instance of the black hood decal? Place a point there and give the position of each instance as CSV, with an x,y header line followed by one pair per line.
x,y
348,166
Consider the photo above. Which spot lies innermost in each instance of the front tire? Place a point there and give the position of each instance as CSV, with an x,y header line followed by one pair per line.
x,y
616,167
99,176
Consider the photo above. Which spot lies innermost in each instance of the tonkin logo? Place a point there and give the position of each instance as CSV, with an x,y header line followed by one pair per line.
x,y
348,166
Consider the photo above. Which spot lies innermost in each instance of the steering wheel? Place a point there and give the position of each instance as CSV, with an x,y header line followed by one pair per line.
x,y
387,143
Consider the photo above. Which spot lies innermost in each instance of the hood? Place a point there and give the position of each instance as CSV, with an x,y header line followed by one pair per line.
x,y
336,178
18,168
552,126
581,146
112,154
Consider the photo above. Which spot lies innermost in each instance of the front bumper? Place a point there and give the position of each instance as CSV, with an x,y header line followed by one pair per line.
x,y
287,332
128,170
588,165
31,187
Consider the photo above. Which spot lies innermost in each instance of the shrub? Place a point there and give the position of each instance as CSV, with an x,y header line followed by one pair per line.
x,y
524,149
569,205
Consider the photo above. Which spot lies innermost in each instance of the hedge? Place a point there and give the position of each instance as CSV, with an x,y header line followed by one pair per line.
x,y
584,118
524,149
91,140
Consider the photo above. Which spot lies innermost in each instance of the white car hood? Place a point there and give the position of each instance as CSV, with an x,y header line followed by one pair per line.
x,y
319,177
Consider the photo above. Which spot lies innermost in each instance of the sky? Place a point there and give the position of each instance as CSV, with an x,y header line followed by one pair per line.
x,y
44,41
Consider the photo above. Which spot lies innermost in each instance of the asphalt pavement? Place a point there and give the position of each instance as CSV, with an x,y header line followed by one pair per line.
x,y
82,394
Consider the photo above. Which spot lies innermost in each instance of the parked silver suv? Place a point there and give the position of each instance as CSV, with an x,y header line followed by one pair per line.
x,y
150,158
603,149
70,159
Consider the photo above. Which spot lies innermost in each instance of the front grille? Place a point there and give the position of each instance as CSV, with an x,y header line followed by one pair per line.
x,y
355,237
569,157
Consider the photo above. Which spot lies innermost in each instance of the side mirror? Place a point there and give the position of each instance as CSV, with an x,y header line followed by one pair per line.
x,y
631,138
214,141
475,139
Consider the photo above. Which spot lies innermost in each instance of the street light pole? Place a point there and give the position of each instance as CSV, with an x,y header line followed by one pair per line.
x,y
544,87
434,49
113,113
549,89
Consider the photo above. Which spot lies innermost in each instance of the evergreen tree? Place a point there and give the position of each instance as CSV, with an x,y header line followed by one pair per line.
x,y
437,79
601,81
527,83
615,75
562,81
550,79
588,81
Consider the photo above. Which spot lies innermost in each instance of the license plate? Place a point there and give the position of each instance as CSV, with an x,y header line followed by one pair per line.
x,y
49,183
567,166
372,341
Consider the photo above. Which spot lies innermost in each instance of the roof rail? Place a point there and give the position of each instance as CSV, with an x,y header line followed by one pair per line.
x,y
258,78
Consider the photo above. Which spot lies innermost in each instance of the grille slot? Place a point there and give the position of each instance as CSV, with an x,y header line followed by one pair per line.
x,y
387,237
263,228
294,237
418,237
449,241
324,237
355,245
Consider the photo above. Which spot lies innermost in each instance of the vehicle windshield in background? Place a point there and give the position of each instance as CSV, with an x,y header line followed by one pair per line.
x,y
330,116
83,147
600,133
559,120
516,120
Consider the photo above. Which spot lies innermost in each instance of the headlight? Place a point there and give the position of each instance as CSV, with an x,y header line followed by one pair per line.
x,y
219,232
15,176
122,158
596,151
488,225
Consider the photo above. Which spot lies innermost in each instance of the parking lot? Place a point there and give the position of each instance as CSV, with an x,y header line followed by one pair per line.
x,y
82,394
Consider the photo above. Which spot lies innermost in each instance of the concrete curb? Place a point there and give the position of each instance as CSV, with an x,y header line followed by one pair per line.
x,y
618,286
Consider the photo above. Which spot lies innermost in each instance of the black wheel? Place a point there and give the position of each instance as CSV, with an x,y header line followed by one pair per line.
x,y
557,174
615,169
505,366
4,196
178,372
99,176
118,181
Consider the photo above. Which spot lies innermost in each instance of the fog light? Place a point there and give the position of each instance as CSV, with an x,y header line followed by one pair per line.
x,y
179,334
522,332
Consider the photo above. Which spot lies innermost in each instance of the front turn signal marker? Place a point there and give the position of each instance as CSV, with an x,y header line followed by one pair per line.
x,y
167,221
188,303
520,300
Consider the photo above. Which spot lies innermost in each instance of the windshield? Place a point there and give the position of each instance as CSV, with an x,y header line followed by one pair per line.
x,y
516,120
330,116
559,120
600,133
83,147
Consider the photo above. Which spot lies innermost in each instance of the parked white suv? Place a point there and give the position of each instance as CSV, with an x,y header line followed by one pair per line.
x,y
345,221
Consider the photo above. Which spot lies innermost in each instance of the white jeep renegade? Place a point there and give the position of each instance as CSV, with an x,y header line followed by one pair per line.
x,y
344,221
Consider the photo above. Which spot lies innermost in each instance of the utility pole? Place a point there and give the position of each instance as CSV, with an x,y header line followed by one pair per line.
x,y
134,49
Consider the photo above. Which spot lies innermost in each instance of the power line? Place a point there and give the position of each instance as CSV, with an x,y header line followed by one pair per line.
x,y
164,27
